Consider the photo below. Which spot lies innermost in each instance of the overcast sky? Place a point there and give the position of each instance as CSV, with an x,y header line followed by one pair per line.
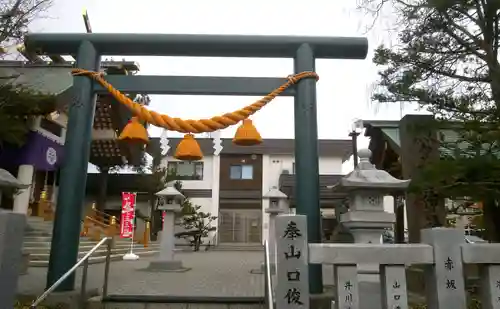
x,y
343,90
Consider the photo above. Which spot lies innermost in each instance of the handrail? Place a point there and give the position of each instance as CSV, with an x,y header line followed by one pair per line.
x,y
95,221
104,215
268,278
84,259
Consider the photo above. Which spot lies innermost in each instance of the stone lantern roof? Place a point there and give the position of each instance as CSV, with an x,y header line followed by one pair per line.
x,y
8,181
365,177
169,191
275,193
169,199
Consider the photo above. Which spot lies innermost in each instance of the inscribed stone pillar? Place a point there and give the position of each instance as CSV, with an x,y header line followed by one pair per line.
x,y
11,240
292,287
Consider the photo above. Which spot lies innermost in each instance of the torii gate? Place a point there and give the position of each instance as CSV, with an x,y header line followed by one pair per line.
x,y
89,47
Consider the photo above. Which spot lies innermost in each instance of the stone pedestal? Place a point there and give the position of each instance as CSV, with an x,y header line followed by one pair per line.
x,y
166,260
367,227
11,241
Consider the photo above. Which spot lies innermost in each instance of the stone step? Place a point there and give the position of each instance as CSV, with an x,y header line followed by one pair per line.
x,y
48,239
99,252
86,248
38,233
35,219
38,227
179,302
38,220
40,223
236,248
46,244
37,238
93,259
83,242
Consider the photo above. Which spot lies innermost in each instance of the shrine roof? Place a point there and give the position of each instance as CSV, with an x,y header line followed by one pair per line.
x,y
49,77
389,128
55,78
448,133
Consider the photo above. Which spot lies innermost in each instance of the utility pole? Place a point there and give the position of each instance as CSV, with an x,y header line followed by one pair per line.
x,y
354,137
356,129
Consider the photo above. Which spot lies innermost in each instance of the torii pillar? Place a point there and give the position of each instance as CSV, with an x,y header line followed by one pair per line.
x,y
89,48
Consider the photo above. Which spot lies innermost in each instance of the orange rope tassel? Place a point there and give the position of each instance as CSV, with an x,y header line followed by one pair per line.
x,y
189,125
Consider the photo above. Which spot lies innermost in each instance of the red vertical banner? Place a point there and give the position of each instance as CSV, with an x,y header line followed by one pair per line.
x,y
128,214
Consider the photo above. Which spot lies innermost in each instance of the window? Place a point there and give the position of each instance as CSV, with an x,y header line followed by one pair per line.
x,y
51,127
241,172
186,170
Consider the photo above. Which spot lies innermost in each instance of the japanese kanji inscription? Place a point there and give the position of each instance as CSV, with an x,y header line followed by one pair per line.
x,y
292,289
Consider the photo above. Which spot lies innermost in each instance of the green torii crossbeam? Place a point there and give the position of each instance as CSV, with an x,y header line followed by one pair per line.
x,y
88,48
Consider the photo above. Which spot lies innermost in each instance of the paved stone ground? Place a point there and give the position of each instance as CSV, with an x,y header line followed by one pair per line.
x,y
212,273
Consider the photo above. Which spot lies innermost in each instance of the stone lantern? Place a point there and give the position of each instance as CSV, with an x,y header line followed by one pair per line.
x,y
276,200
366,187
169,201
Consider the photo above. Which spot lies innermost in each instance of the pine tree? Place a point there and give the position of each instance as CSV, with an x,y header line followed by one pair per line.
x,y
196,223
18,104
446,60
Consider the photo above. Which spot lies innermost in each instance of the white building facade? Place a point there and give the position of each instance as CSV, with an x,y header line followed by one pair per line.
x,y
277,165
233,189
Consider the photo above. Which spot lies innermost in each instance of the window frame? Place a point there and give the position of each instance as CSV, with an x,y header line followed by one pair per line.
x,y
173,166
51,126
240,167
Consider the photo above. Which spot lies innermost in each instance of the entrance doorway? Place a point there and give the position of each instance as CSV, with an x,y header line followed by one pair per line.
x,y
240,226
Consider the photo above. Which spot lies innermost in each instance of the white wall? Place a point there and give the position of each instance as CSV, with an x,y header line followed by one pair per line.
x,y
272,168
273,165
208,176
330,165
210,181
215,195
